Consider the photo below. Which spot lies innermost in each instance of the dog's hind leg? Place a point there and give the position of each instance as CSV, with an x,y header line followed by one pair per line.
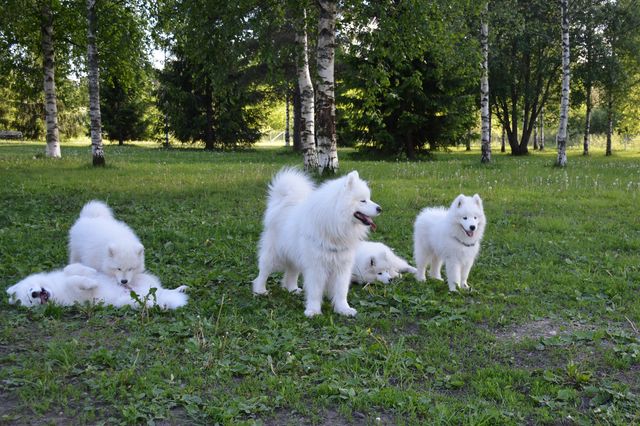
x,y
421,263
436,267
290,280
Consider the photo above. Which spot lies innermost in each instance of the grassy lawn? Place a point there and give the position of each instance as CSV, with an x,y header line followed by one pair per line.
x,y
547,336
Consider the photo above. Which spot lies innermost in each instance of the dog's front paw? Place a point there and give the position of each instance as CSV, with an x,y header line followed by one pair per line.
x,y
309,312
420,277
259,288
182,289
347,311
464,286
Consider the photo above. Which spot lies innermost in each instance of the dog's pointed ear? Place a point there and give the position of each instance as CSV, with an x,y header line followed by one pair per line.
x,y
352,178
372,261
140,250
459,200
111,250
477,200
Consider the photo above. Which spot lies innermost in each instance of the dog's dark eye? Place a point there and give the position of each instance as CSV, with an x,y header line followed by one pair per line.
x,y
464,218
363,201
35,294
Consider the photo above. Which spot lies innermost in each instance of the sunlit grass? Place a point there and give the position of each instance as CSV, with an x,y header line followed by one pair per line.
x,y
547,335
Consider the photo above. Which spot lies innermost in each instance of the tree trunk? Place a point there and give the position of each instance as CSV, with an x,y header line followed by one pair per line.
x,y
535,135
297,119
208,129
325,99
94,87
564,102
308,140
287,137
50,98
609,125
587,122
541,131
484,89
503,147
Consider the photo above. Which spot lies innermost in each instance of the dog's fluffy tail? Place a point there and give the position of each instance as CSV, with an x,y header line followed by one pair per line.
x,y
287,188
290,185
95,209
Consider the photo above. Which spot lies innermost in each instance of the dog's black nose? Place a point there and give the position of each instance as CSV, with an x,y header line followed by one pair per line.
x,y
379,209
472,227
124,281
35,294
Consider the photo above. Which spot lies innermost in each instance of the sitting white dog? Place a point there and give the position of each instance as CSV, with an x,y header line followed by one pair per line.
x,y
376,261
78,283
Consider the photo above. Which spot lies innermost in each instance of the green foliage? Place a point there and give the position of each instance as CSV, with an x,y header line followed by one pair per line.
x,y
545,334
211,83
411,75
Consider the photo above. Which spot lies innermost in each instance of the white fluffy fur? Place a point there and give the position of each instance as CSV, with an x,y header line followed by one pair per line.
x,y
451,236
80,284
108,245
376,261
313,231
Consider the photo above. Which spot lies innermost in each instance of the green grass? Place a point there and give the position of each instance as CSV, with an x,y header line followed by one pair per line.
x,y
547,336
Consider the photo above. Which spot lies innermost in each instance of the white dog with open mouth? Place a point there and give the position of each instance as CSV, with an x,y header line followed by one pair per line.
x,y
377,262
314,231
78,283
451,236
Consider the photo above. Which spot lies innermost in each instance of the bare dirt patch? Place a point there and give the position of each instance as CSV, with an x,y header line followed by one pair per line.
x,y
542,329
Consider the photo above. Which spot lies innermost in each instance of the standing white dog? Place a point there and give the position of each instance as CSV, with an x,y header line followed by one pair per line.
x,y
377,262
108,245
451,236
314,231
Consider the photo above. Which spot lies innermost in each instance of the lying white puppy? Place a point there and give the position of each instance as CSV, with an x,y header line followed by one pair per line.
x,y
78,283
376,261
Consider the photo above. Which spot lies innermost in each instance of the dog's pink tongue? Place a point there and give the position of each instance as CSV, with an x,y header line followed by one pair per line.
x,y
469,233
44,297
373,226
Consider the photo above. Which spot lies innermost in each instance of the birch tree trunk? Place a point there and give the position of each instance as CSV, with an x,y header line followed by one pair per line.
x,y
297,119
564,102
541,131
287,136
94,87
307,106
484,89
50,98
587,122
325,98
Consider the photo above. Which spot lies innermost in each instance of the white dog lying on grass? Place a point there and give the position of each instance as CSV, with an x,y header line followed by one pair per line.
x,y
78,283
377,262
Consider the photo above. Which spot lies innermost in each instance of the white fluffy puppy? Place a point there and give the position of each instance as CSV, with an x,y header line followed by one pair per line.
x,y
108,245
314,231
376,261
451,236
78,283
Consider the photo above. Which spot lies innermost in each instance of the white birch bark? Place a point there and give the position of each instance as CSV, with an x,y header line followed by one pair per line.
x,y
541,130
97,150
564,102
587,123
484,89
308,140
325,98
50,98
